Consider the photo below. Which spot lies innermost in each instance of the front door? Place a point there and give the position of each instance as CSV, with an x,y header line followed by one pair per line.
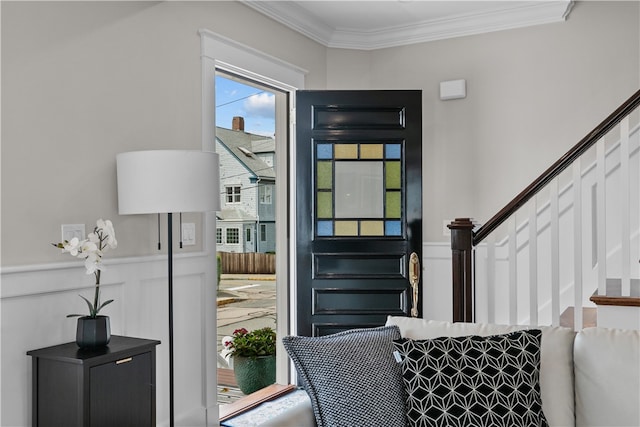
x,y
359,208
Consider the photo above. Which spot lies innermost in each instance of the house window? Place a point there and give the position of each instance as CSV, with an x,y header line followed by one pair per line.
x,y
263,233
233,236
266,194
219,235
233,194
248,234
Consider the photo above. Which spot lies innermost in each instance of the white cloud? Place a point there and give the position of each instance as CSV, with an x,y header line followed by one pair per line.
x,y
262,104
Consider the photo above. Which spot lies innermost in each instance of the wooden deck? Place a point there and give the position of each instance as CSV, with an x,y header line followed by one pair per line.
x,y
228,395
228,391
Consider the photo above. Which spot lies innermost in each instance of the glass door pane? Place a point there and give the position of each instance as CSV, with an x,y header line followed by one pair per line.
x,y
358,189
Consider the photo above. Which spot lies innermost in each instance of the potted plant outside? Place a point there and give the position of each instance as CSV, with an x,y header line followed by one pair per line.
x,y
92,330
254,357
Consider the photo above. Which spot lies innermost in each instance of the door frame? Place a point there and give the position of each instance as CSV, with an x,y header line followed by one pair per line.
x,y
219,52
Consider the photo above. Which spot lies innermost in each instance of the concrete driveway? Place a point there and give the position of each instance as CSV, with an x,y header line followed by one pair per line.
x,y
245,301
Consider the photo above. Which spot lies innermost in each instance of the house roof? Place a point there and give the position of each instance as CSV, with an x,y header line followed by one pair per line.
x,y
264,145
242,145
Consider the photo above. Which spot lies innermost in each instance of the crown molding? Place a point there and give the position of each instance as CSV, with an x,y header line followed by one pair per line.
x,y
294,17
507,16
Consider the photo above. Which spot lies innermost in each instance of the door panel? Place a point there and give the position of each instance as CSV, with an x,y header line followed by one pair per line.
x,y
359,207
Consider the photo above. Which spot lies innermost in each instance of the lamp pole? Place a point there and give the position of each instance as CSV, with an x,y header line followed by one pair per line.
x,y
170,273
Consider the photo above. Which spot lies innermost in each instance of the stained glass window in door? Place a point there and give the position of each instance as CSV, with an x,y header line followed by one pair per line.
x,y
358,189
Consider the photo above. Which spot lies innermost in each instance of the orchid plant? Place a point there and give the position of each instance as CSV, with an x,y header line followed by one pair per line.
x,y
91,250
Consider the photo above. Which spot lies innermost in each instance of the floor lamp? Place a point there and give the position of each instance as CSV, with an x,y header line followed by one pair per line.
x,y
168,181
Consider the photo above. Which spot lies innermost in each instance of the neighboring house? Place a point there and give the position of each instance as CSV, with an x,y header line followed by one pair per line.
x,y
246,222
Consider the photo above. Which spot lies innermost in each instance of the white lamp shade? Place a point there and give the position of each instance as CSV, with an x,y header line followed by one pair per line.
x,y
167,181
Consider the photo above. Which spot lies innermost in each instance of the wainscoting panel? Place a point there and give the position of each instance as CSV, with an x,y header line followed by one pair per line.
x,y
436,283
36,299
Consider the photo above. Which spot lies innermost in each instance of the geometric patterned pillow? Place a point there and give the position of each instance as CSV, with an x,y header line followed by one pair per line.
x,y
351,377
473,380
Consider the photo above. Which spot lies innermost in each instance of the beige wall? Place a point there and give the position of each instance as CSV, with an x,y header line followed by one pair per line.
x,y
532,94
83,81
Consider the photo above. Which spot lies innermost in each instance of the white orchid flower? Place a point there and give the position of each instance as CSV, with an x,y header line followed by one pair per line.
x,y
91,250
90,266
88,247
93,262
72,246
108,233
92,256
93,238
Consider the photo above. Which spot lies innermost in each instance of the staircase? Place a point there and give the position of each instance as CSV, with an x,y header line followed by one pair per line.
x,y
589,317
566,250
618,309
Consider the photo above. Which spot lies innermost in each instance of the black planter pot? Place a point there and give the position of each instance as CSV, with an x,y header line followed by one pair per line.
x,y
93,331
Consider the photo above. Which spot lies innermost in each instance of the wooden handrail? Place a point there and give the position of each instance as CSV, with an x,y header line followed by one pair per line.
x,y
539,183
464,239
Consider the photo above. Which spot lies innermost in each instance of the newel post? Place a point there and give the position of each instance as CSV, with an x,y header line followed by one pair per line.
x,y
462,253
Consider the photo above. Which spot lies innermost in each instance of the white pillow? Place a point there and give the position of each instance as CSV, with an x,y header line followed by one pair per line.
x,y
607,368
556,359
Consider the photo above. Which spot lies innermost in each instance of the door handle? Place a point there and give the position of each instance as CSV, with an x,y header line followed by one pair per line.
x,y
414,280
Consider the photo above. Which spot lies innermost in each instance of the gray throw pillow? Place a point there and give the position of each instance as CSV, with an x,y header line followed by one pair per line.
x,y
351,377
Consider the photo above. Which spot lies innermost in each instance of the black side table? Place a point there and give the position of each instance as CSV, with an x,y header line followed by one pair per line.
x,y
103,387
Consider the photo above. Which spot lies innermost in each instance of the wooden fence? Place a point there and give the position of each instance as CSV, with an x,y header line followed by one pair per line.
x,y
248,263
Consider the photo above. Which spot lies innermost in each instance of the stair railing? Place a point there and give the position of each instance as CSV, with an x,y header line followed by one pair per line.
x,y
615,167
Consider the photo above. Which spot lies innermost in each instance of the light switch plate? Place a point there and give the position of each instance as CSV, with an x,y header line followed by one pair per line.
x,y
188,234
69,231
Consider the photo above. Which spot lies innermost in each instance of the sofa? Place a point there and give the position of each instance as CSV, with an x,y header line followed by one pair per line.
x,y
589,378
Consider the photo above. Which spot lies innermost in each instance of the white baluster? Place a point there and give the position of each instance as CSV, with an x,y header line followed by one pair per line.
x,y
555,251
625,206
533,262
601,222
577,244
513,271
491,278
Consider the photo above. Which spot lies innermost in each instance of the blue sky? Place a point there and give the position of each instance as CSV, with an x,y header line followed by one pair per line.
x,y
236,99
